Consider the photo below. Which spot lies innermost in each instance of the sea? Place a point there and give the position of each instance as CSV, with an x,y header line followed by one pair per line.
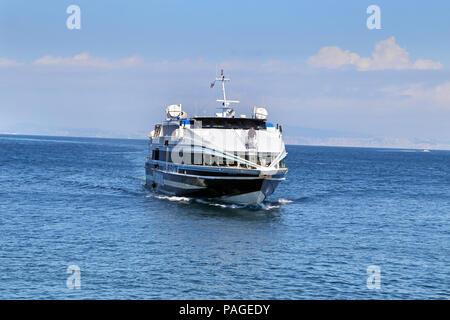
x,y
348,223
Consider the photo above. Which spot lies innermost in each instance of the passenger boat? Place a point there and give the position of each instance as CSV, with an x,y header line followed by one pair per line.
x,y
225,157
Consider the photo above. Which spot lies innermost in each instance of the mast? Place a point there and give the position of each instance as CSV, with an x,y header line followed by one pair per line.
x,y
227,111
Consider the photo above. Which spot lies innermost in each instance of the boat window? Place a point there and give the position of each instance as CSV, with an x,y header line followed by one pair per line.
x,y
165,155
197,158
207,159
229,123
155,154
169,129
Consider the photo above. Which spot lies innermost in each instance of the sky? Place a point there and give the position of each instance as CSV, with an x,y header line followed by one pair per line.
x,y
315,65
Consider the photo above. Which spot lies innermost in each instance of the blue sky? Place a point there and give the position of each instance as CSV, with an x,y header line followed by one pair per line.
x,y
214,30
314,64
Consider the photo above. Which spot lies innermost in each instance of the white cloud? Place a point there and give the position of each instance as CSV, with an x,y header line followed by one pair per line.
x,y
5,62
439,95
333,57
86,60
388,55
422,64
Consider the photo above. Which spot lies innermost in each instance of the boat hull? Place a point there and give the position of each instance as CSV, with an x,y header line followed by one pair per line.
x,y
227,187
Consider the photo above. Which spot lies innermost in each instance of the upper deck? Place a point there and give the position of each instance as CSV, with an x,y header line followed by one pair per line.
x,y
225,139
230,123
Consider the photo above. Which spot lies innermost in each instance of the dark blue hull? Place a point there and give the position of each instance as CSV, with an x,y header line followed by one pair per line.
x,y
237,187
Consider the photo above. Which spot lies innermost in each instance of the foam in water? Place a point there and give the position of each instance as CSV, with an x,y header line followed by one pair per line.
x,y
266,205
172,198
284,201
221,205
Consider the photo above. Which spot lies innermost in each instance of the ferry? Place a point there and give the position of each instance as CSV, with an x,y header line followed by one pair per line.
x,y
225,157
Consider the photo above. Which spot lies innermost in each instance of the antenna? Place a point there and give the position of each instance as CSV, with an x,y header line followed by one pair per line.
x,y
226,110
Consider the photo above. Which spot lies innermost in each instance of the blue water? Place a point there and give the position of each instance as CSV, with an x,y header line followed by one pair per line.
x,y
66,201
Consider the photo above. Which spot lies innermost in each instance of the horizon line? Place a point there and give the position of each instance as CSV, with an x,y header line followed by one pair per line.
x,y
144,139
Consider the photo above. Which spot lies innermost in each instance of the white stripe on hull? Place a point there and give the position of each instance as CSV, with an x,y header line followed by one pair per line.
x,y
181,185
247,198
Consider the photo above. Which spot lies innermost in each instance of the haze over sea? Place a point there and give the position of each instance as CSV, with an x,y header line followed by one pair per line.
x,y
81,201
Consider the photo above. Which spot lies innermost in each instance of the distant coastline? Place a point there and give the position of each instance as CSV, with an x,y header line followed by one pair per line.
x,y
290,141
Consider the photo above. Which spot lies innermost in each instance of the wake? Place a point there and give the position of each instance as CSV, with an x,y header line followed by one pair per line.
x,y
265,205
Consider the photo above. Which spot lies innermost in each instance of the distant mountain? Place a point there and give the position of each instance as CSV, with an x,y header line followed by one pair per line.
x,y
35,129
319,137
292,135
